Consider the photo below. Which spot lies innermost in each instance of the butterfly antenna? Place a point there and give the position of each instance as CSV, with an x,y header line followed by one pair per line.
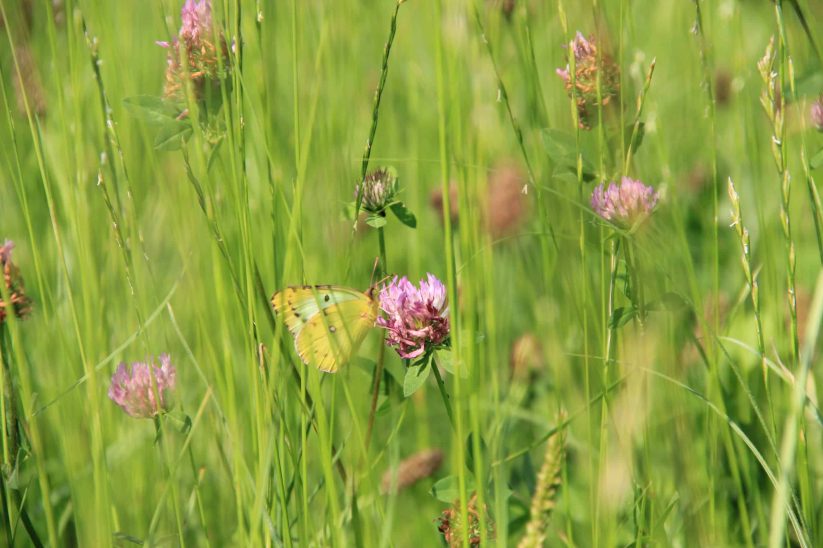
x,y
374,271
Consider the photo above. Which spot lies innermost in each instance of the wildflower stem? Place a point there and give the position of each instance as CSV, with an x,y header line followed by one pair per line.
x,y
443,394
165,450
611,334
381,353
612,331
364,167
637,292
7,407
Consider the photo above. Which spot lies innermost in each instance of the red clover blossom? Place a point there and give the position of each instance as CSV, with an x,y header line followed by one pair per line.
x,y
626,203
19,304
206,60
131,388
590,71
416,319
816,114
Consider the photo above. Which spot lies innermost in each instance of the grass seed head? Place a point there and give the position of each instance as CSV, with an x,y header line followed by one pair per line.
x,y
507,206
450,524
526,356
419,466
548,485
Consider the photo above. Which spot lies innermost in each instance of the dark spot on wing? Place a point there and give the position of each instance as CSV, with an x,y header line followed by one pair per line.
x,y
326,298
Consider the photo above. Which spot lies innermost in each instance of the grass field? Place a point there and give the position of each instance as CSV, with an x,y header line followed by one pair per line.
x,y
644,378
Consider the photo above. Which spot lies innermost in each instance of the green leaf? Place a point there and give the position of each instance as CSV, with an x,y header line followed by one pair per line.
x,y
11,476
559,145
565,177
469,452
376,221
186,426
671,302
153,110
621,316
817,159
518,523
562,148
383,405
638,137
415,377
404,214
172,135
448,489
445,359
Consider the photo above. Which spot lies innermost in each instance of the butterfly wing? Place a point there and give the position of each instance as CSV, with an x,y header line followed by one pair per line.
x,y
328,323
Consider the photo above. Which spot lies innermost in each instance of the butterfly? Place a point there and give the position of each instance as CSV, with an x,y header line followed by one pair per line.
x,y
328,322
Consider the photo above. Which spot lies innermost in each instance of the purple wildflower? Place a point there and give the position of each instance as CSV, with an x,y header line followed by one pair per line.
x,y
131,388
18,302
416,319
626,203
5,251
816,114
205,59
590,71
196,16
581,49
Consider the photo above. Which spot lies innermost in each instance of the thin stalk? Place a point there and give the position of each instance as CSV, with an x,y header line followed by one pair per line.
x,y
166,451
785,69
381,353
641,100
754,293
382,268
608,361
445,144
101,498
378,95
636,277
444,395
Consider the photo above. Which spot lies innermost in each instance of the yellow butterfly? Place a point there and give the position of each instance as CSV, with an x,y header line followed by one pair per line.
x,y
328,322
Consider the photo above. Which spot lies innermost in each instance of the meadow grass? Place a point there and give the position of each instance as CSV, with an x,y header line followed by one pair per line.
x,y
605,385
